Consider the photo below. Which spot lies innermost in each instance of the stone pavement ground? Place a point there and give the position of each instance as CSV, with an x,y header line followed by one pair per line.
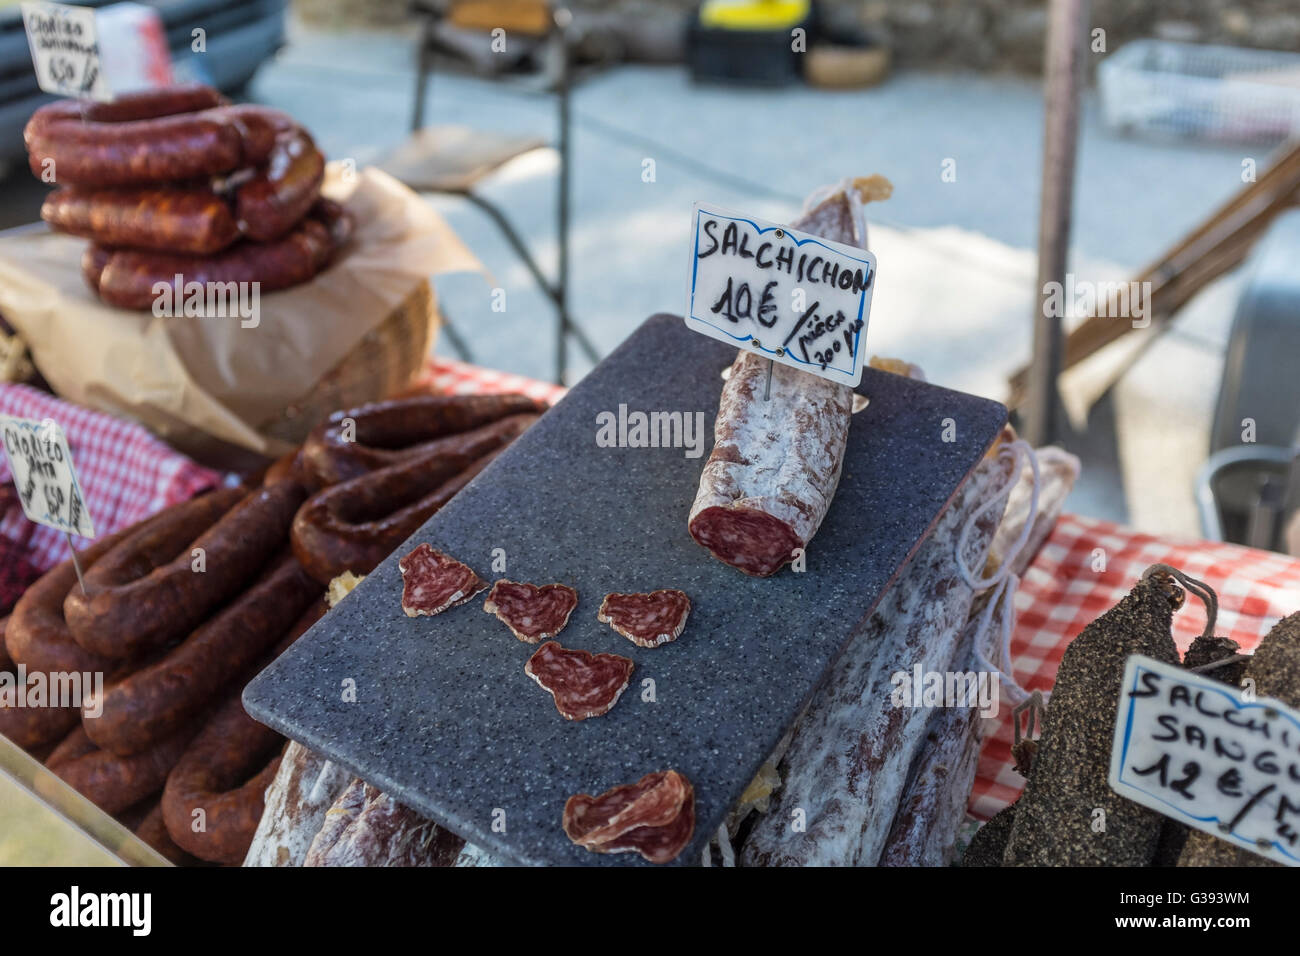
x,y
956,257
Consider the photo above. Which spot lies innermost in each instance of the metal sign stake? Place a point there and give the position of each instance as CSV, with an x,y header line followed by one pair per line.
x,y
75,563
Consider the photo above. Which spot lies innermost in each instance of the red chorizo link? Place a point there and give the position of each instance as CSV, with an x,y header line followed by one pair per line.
x,y
153,831
354,525
214,797
38,634
111,782
31,727
146,593
75,744
129,107
140,138
279,196
148,705
353,442
259,127
131,279
167,219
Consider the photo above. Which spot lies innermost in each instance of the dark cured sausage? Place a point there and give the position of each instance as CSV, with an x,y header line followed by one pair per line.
x,y
111,782
354,525
384,433
213,777
153,702
196,221
38,636
142,601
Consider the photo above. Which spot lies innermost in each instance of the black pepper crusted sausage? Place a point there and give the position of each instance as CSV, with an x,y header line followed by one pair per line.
x,y
162,218
153,702
354,525
384,433
144,601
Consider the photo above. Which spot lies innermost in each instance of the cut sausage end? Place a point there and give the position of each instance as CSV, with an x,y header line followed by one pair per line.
x,y
747,539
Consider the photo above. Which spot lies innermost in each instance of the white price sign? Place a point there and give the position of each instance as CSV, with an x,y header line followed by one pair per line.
x,y
1191,748
65,49
47,484
796,298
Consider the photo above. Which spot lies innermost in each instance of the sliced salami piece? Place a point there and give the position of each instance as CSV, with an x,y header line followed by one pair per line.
x,y
583,684
646,620
432,582
533,614
654,817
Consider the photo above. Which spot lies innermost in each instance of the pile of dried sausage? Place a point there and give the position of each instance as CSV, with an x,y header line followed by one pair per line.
x,y
176,186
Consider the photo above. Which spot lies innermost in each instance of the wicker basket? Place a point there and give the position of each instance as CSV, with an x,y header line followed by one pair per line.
x,y
383,363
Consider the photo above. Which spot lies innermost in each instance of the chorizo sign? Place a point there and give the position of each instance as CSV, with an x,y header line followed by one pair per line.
x,y
41,464
795,298
1198,751
65,49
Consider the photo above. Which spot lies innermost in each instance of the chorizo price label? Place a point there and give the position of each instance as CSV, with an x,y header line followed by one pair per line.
x,y
1195,750
796,298
47,484
65,50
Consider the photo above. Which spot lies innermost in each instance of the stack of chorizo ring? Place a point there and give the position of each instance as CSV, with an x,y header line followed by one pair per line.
x,y
180,610
177,186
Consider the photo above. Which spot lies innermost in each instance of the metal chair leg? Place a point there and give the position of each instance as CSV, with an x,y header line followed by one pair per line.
x,y
457,343
521,250
423,60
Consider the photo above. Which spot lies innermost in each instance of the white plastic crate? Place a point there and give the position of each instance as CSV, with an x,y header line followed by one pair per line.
x,y
1195,91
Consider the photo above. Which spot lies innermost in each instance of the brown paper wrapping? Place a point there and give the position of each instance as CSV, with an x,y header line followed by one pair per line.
x,y
210,382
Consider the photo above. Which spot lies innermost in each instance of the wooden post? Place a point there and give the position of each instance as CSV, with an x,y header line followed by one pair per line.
x,y
1062,79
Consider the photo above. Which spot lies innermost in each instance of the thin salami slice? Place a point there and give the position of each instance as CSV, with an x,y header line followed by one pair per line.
x,y
646,620
654,817
583,684
432,582
533,614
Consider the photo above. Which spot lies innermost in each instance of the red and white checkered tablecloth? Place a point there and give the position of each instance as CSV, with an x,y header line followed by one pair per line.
x,y
460,378
126,474
1083,570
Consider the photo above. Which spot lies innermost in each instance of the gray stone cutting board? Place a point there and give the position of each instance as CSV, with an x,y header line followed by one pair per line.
x,y
445,718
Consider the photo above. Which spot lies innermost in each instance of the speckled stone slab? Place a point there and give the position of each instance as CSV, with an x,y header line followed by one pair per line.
x,y
444,717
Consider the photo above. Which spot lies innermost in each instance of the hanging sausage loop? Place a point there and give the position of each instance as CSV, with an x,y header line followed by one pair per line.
x,y
1199,588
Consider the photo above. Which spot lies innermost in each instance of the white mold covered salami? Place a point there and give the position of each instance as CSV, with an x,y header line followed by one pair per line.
x,y
775,465
776,461
305,787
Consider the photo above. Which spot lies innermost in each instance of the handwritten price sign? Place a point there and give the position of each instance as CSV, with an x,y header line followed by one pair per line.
x,y
65,50
795,298
1191,748
43,474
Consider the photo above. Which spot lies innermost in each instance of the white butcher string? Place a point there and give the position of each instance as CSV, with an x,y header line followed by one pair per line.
x,y
724,847
1002,582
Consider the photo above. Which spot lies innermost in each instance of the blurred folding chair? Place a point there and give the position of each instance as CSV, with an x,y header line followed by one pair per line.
x,y
455,159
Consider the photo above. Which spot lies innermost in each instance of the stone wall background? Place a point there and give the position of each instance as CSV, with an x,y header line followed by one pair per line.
x,y
998,35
